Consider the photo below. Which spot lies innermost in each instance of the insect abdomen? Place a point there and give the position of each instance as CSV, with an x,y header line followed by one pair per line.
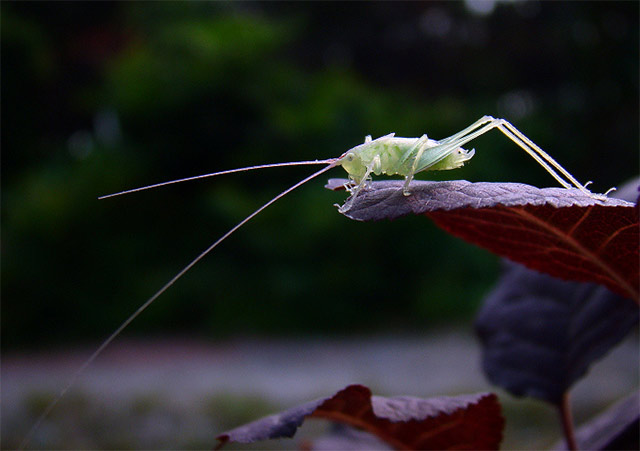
x,y
392,155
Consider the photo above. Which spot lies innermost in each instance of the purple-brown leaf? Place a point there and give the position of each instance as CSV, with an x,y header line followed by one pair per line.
x,y
460,422
562,232
540,334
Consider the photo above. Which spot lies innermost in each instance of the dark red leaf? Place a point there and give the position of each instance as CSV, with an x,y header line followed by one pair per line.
x,y
561,232
461,422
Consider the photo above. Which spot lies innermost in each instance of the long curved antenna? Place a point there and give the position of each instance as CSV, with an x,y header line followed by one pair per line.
x,y
331,164
213,174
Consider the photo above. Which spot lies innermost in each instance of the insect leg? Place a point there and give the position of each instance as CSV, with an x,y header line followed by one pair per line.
x,y
497,123
516,136
483,120
411,151
521,140
355,191
422,143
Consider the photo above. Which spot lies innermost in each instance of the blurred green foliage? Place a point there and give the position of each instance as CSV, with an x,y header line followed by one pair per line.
x,y
97,98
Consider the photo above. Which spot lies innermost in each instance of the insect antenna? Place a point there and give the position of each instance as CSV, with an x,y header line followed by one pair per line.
x,y
331,163
213,174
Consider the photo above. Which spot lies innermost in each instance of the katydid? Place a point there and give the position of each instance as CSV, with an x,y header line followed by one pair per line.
x,y
389,155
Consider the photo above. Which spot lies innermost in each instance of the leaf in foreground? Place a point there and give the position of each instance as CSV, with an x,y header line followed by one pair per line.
x,y
460,422
541,334
562,232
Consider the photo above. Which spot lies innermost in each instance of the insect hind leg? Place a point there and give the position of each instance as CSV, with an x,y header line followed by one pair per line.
x,y
532,149
554,168
477,124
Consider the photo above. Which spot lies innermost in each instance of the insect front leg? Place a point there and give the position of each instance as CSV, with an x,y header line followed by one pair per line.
x,y
355,191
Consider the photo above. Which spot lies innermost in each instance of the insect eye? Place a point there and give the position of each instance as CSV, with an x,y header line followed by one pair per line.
x,y
351,156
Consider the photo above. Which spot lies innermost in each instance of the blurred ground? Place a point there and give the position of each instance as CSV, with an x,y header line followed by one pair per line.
x,y
182,392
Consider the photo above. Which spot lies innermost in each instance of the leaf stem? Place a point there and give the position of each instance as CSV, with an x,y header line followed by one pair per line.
x,y
567,422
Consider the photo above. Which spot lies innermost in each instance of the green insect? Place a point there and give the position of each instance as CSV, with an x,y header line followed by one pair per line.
x,y
389,155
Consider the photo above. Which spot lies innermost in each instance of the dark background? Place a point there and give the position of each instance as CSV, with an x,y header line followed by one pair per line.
x,y
97,98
